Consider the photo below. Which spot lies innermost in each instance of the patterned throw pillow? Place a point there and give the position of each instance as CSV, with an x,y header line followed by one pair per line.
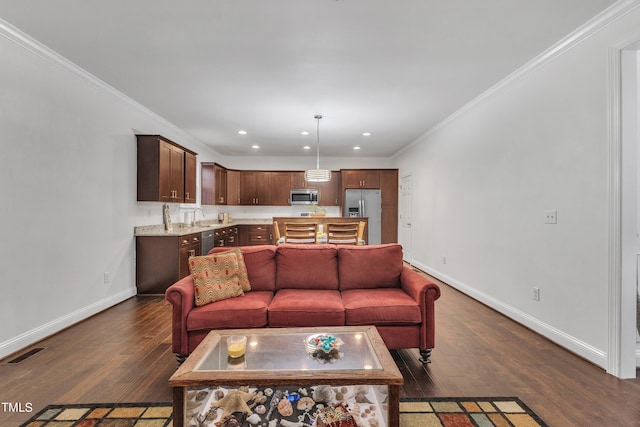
x,y
243,276
215,277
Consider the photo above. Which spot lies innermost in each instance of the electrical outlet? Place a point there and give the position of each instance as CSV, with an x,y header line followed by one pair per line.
x,y
551,217
536,293
107,277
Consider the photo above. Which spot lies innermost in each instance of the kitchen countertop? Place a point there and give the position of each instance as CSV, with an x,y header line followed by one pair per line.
x,y
182,230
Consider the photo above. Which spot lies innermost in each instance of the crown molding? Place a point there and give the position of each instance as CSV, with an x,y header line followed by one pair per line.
x,y
584,32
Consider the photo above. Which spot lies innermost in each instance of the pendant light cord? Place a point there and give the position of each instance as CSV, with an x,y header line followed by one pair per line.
x,y
318,117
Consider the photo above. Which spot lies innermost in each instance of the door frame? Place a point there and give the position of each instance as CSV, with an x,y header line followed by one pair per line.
x,y
621,351
407,248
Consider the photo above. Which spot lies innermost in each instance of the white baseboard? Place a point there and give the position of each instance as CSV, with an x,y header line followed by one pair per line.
x,y
588,352
30,337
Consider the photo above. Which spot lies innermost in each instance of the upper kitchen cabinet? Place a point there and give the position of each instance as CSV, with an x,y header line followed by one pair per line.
x,y
329,192
280,188
255,188
190,171
298,181
233,187
166,171
360,178
213,184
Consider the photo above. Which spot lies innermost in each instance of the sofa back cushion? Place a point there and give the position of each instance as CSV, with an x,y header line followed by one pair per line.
x,y
307,267
369,267
261,265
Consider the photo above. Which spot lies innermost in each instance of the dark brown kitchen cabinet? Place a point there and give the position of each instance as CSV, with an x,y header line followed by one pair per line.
x,y
255,188
166,171
163,260
213,183
389,202
233,187
360,178
329,192
298,181
251,235
190,172
227,236
280,188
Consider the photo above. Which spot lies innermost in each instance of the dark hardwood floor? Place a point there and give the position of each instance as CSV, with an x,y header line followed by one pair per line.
x,y
123,355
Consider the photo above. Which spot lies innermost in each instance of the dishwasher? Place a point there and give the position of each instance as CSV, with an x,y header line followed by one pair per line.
x,y
208,241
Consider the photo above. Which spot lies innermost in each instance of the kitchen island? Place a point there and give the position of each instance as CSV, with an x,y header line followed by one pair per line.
x,y
320,220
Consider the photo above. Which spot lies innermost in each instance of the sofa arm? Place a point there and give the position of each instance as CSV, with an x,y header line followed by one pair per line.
x,y
181,295
425,292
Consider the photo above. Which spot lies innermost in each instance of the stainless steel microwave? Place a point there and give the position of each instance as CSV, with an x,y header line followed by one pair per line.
x,y
304,197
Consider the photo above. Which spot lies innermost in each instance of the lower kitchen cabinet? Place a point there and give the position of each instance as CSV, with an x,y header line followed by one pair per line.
x,y
251,235
227,236
163,260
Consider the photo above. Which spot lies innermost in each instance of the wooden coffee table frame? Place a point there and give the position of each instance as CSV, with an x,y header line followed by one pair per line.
x,y
186,375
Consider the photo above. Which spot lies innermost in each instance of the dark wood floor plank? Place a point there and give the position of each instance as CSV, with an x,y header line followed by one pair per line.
x,y
123,355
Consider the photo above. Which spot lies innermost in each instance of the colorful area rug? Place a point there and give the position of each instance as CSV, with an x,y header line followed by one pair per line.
x,y
435,412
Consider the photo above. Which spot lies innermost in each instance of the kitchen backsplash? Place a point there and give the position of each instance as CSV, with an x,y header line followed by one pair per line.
x,y
151,213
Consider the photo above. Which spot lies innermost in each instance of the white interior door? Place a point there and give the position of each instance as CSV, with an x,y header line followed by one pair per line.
x,y
406,205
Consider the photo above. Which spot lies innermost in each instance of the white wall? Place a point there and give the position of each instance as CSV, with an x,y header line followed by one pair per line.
x,y
482,181
68,168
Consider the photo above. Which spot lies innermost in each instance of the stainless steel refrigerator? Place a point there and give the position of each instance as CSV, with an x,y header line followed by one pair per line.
x,y
366,203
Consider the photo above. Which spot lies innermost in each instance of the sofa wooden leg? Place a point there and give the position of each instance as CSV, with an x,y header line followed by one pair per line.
x,y
425,356
181,357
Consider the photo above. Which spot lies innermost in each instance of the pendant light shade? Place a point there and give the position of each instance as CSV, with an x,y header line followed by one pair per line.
x,y
317,174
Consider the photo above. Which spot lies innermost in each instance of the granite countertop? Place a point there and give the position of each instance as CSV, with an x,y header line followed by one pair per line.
x,y
180,229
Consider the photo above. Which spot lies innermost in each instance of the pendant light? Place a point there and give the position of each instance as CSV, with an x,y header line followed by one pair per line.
x,y
317,174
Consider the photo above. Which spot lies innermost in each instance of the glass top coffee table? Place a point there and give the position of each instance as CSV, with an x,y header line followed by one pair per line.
x,y
288,376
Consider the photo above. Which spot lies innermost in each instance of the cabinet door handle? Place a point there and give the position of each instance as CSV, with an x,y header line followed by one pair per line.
x,y
186,196
192,253
232,239
221,242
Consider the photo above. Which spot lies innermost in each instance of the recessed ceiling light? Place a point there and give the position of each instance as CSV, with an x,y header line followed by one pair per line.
x,y
254,146
366,134
356,148
306,147
242,132
304,132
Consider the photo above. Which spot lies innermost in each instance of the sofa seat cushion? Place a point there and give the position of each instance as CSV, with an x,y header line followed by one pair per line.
x,y
369,267
246,311
306,307
389,306
307,267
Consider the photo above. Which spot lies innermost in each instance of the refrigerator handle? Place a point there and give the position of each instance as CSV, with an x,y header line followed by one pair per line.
x,y
363,211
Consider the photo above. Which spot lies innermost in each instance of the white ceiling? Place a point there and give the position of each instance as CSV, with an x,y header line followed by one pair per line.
x,y
394,68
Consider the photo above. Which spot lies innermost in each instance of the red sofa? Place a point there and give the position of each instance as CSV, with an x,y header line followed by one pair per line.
x,y
316,285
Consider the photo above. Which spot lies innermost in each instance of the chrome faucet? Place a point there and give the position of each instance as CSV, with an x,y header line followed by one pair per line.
x,y
194,214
